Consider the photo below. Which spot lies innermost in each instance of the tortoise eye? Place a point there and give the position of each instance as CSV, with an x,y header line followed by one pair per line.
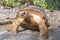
x,y
22,13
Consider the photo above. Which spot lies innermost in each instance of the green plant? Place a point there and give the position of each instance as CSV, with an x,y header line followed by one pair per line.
x,y
40,3
45,4
52,4
48,4
11,2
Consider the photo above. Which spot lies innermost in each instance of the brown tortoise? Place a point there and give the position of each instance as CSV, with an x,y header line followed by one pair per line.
x,y
31,17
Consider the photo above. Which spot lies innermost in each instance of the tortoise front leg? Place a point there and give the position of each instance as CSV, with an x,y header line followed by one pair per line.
x,y
16,25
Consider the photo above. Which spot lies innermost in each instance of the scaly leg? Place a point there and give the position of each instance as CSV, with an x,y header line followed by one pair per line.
x,y
43,31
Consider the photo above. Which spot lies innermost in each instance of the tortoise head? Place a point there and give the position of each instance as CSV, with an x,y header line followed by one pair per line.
x,y
22,15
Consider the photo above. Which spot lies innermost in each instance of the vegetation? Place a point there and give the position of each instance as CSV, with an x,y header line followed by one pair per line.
x,y
48,4
45,4
40,3
10,2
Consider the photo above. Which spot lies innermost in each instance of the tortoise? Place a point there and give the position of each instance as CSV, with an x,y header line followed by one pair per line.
x,y
31,17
